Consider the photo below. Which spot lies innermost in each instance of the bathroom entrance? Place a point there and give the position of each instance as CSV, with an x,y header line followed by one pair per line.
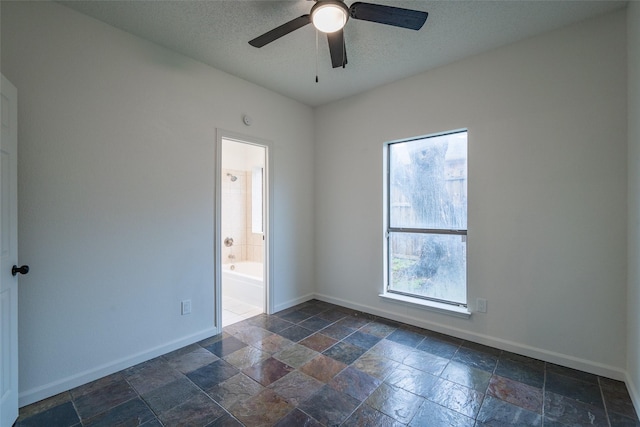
x,y
243,229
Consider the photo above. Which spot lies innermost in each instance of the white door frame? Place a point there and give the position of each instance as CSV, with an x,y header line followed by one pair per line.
x,y
268,221
9,256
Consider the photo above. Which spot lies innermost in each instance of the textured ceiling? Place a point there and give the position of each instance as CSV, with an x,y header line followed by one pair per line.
x,y
217,33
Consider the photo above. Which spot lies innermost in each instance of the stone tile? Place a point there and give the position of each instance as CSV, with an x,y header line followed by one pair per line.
x,y
181,351
417,329
395,402
366,416
337,331
296,355
212,374
329,406
133,412
406,337
196,412
571,373
332,315
263,409
617,398
456,397
43,405
476,359
467,376
516,393
546,422
103,398
322,368
226,420
379,329
103,382
295,333
433,415
290,309
152,375
231,330
296,387
413,380
481,348
440,347
62,415
296,316
237,388
391,350
315,323
273,344
375,365
193,360
362,340
318,342
426,362
226,346
171,395
268,371
500,413
246,357
344,352
352,322
618,420
208,341
444,337
528,374
297,418
523,360
355,383
270,323
572,412
251,334
575,389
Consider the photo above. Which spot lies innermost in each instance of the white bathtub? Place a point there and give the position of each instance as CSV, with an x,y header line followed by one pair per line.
x,y
243,281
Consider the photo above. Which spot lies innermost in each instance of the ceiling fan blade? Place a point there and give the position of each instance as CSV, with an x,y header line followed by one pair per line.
x,y
280,31
389,15
337,49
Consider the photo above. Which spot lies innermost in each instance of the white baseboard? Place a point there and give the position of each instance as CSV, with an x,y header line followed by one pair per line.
x,y
293,302
42,392
515,347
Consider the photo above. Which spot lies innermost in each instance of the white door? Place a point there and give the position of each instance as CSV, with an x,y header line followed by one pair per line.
x,y
9,256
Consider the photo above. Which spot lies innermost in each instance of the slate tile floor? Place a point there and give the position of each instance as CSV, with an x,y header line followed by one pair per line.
x,y
318,364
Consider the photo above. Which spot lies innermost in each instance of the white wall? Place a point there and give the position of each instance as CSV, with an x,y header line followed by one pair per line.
x,y
633,299
116,191
547,192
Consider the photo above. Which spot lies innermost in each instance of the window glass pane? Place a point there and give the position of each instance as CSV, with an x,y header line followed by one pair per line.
x,y
429,265
428,183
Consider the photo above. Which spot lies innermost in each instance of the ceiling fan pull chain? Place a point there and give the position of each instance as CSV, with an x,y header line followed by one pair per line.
x,y
316,56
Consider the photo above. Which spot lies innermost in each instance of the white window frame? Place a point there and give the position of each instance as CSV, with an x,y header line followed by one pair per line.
x,y
419,301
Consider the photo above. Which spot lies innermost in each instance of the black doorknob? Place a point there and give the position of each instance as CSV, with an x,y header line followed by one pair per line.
x,y
22,270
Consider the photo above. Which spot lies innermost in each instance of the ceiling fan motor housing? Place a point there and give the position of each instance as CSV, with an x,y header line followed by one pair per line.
x,y
329,16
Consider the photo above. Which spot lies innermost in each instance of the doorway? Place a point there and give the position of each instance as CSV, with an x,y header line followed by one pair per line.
x,y
242,258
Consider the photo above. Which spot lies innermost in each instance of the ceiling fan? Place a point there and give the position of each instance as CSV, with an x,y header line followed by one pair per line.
x,y
330,17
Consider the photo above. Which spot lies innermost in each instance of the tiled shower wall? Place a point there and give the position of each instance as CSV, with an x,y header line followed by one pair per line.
x,y
236,219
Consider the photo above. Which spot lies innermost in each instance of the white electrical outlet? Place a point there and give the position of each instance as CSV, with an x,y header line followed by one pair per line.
x,y
481,305
185,307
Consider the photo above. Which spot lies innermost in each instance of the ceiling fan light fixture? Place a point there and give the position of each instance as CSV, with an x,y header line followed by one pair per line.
x,y
329,16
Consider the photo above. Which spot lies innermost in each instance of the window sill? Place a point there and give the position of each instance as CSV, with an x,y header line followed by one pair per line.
x,y
438,307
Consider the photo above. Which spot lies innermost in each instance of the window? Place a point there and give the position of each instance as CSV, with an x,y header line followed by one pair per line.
x,y
427,218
